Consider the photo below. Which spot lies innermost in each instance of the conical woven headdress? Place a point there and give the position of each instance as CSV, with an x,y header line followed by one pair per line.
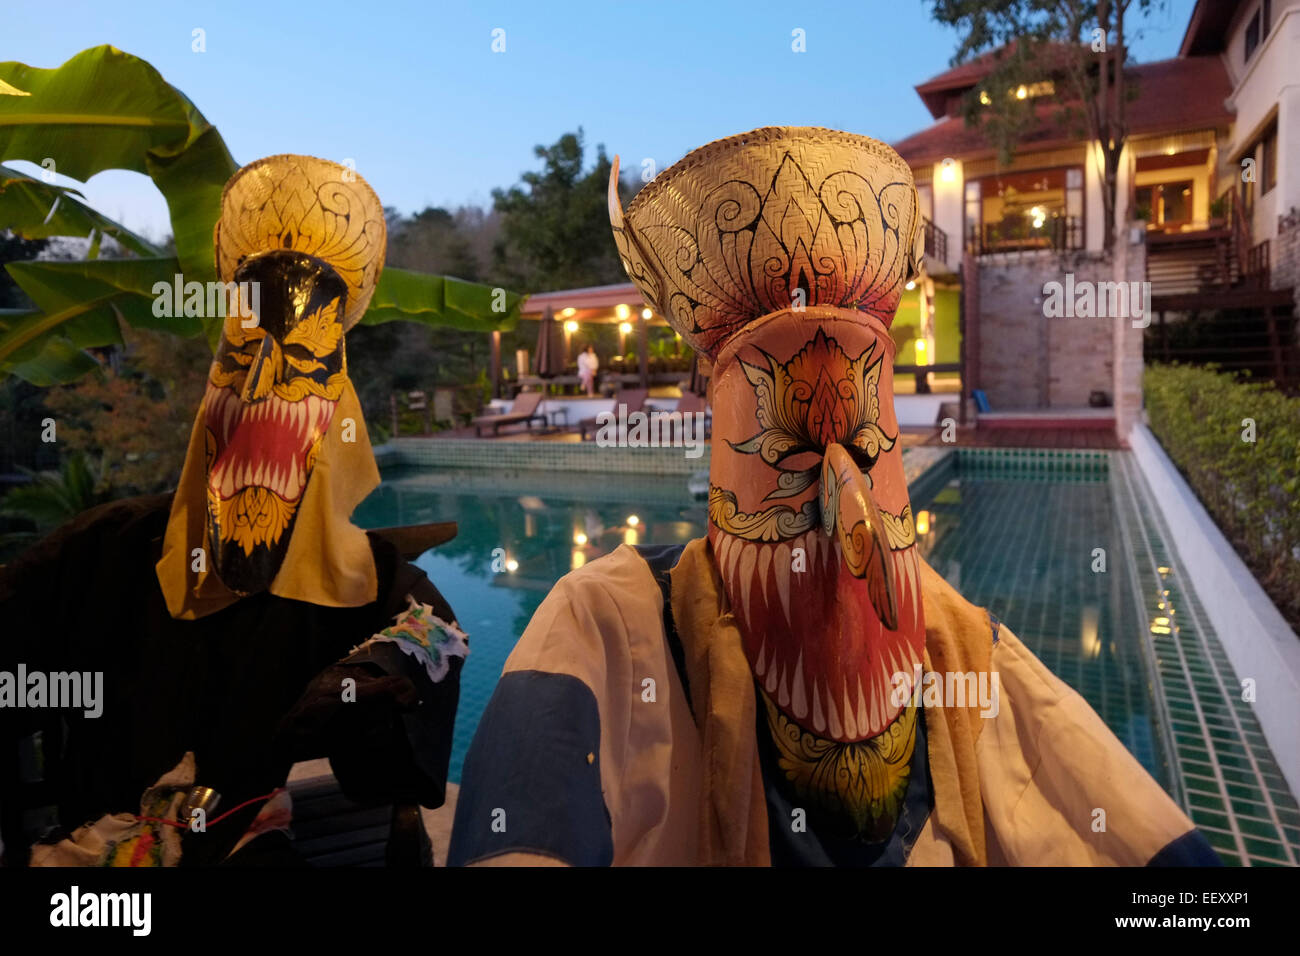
x,y
776,217
307,205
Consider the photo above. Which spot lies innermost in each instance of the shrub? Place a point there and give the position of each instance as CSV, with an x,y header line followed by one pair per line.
x,y
1203,417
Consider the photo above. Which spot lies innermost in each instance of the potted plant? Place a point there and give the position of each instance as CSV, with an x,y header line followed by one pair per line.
x,y
1219,212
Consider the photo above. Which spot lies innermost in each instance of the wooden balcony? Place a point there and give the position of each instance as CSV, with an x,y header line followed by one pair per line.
x,y
936,241
1059,234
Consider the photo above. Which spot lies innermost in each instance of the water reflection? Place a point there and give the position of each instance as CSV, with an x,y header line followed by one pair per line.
x,y
518,534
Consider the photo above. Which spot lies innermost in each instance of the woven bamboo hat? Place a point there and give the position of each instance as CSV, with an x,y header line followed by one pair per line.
x,y
311,206
776,218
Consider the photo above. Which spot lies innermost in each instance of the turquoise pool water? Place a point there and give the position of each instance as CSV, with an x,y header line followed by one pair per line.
x,y
527,525
1030,548
1020,545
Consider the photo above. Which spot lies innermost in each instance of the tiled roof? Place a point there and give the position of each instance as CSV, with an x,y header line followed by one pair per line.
x,y
1171,95
934,92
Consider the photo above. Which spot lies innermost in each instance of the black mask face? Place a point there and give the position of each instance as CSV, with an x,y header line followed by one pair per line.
x,y
278,375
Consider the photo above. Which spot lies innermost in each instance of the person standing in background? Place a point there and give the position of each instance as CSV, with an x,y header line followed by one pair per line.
x,y
587,365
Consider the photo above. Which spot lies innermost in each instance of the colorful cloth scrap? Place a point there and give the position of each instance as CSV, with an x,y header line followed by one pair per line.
x,y
419,632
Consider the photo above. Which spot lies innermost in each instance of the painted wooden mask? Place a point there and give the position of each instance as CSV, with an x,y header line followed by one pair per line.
x,y
302,240
781,255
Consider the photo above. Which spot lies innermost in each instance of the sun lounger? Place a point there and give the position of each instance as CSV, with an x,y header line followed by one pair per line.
x,y
522,411
633,398
691,402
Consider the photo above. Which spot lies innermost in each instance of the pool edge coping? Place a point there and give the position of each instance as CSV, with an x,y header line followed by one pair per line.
x,y
1258,641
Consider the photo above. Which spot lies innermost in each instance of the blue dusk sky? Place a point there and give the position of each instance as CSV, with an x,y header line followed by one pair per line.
x,y
414,94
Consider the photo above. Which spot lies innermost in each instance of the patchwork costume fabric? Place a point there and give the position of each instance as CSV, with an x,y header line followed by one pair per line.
x,y
243,623
786,690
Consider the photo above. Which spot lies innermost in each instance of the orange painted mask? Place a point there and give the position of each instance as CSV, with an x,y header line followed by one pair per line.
x,y
781,255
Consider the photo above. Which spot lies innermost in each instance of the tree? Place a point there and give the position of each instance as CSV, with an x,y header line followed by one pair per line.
x,y
1080,44
555,226
135,415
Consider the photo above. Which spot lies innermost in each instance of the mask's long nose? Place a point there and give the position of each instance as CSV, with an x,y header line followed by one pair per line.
x,y
262,372
850,512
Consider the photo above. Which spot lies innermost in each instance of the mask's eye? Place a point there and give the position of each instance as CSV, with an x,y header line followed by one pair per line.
x,y
235,354
238,336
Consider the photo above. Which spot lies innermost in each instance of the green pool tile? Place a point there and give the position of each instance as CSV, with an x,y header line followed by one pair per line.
x,y
1265,850
1205,801
1255,827
1220,745
1209,818
1245,793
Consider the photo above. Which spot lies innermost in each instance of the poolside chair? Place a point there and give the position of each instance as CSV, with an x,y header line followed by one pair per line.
x,y
522,411
633,398
691,402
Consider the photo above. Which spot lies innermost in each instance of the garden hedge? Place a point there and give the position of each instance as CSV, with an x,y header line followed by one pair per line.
x,y
1203,418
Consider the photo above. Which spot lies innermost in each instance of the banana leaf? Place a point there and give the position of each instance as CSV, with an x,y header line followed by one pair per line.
x,y
404,296
83,302
56,362
34,209
105,109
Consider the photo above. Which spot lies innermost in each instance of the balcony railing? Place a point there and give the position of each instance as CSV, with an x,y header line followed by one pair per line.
x,y
936,241
1059,234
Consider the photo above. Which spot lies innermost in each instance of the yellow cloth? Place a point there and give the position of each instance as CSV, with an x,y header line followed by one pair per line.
x,y
328,560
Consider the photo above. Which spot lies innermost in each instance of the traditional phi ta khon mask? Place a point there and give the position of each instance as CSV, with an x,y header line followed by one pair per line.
x,y
279,455
781,255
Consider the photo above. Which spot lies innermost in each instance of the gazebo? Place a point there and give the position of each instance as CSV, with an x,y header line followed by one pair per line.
x,y
619,304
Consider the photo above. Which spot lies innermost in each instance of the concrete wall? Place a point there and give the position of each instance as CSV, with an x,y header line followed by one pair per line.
x,y
1270,78
949,210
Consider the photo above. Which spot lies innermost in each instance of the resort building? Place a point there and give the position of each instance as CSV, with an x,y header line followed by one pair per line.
x,y
1203,180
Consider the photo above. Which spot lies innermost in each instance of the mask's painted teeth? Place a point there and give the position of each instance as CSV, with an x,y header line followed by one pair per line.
x,y
748,555
850,721
781,567
798,698
833,717
863,720
819,718
773,679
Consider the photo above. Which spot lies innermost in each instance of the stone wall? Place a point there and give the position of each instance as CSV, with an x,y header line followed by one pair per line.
x,y
1029,361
